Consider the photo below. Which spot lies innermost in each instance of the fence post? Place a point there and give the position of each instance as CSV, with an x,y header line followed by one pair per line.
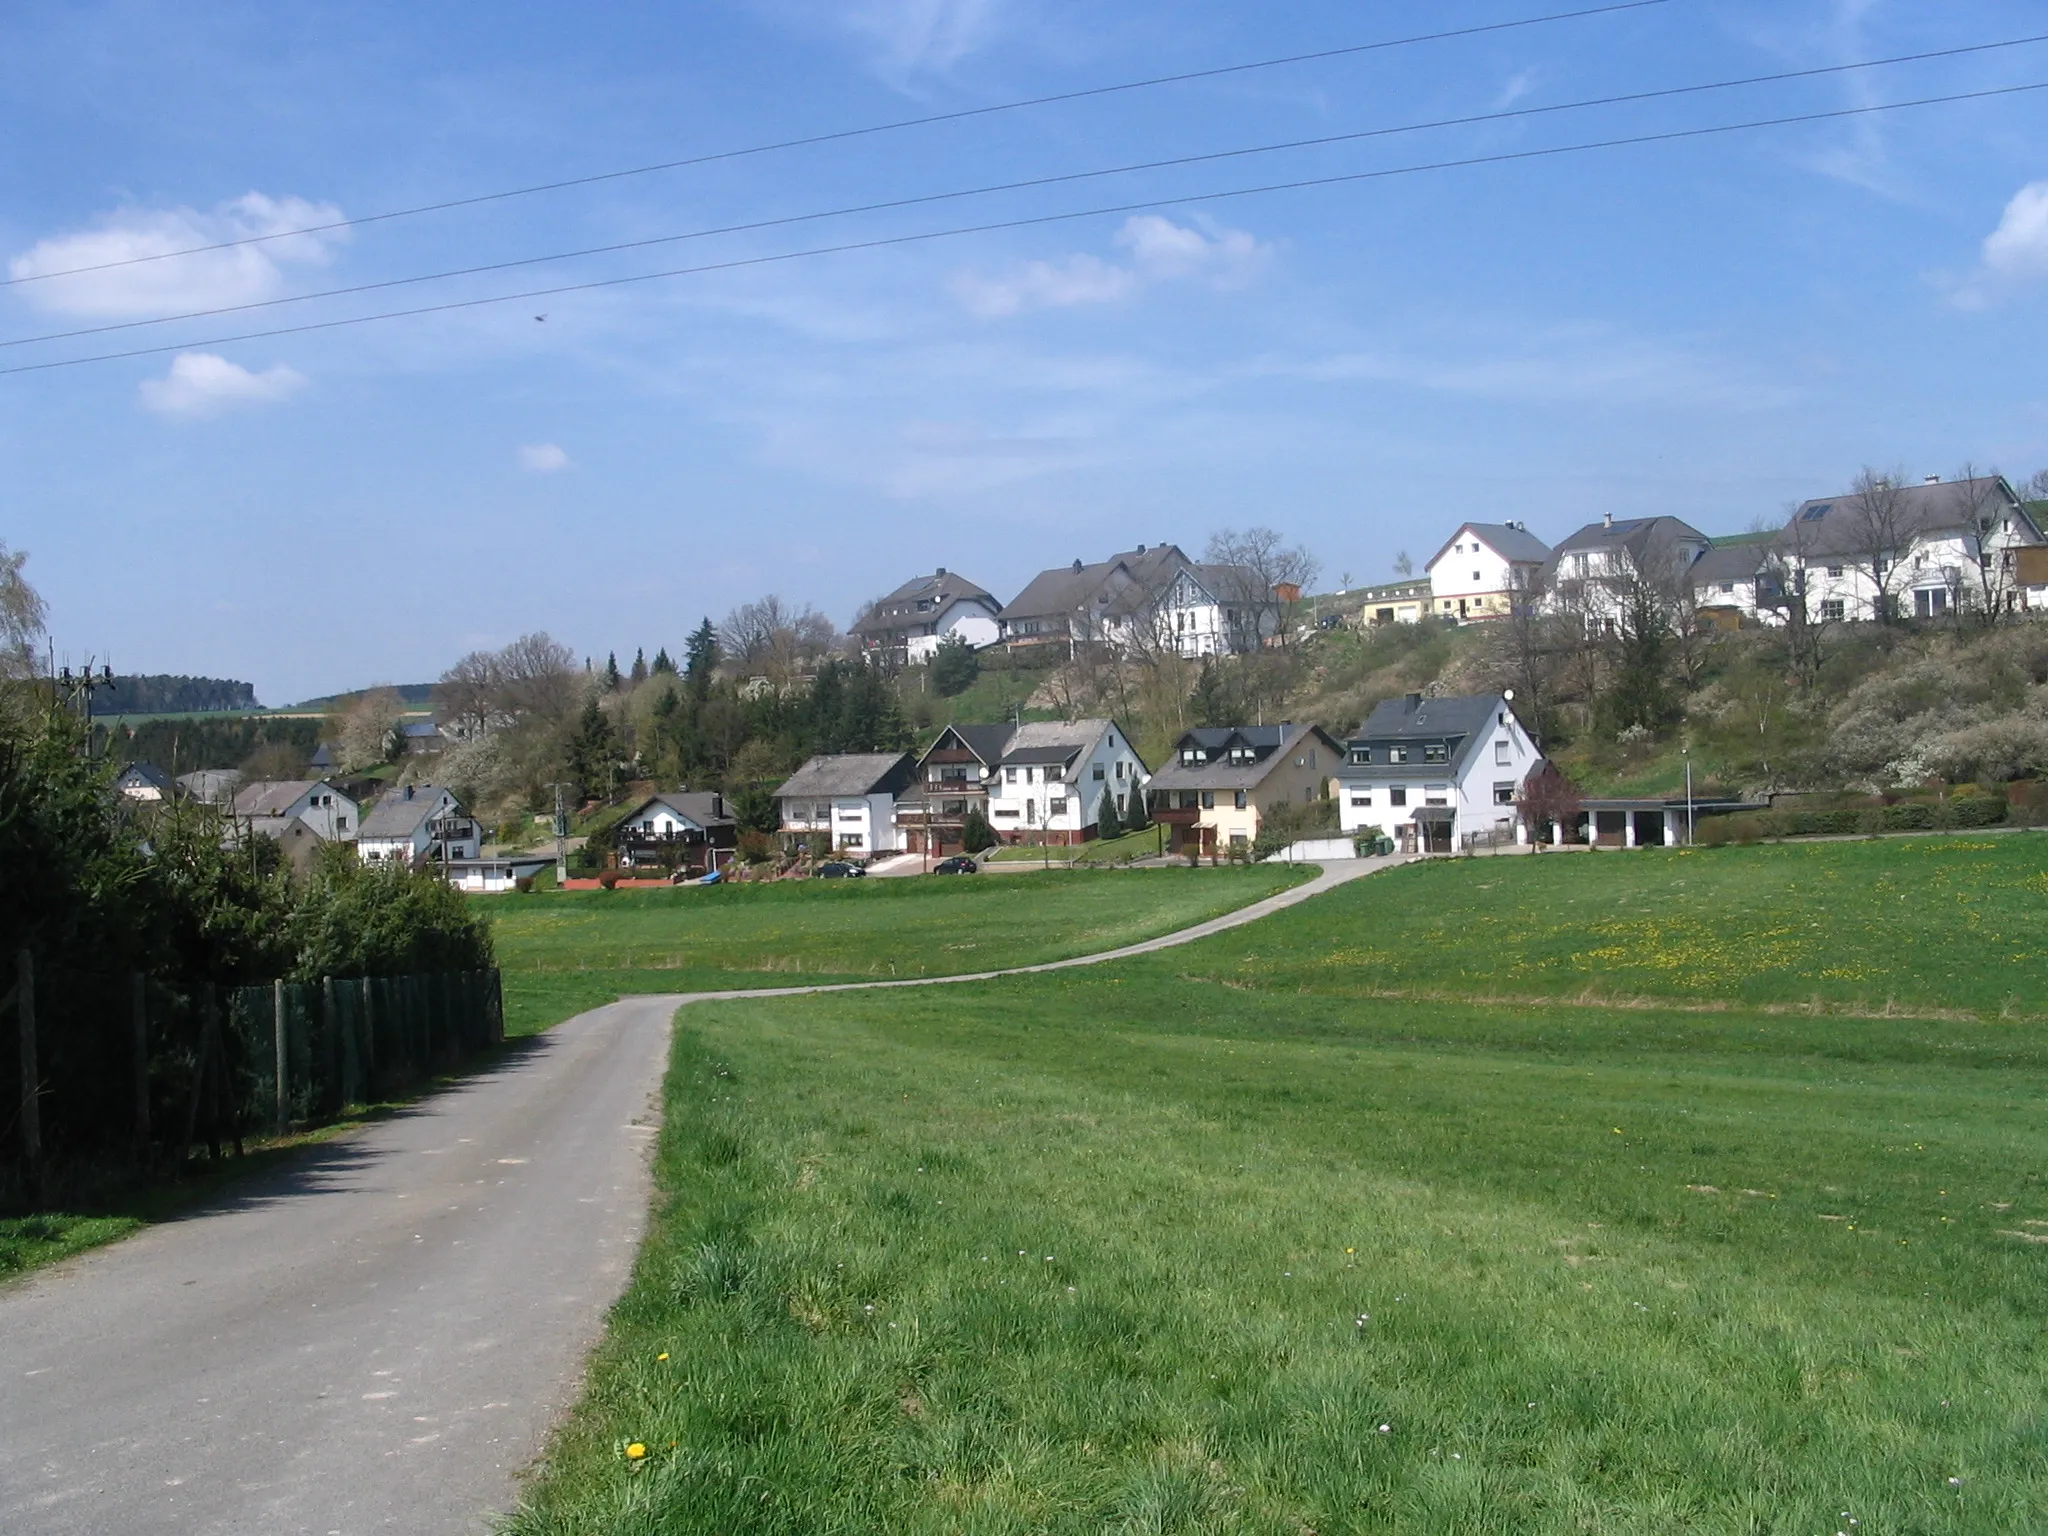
x,y
277,1043
330,1067
139,996
31,1080
350,1073
369,1023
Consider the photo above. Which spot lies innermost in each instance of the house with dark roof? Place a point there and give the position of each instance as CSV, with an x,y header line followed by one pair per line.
x,y
1222,781
1484,569
1051,779
270,803
145,784
418,825
1735,581
677,831
1151,598
211,786
1925,551
848,799
913,621
1592,572
950,785
1436,773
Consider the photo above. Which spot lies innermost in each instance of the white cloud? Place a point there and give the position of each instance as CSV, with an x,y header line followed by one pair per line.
x,y
201,384
204,280
2018,248
921,36
543,458
1159,250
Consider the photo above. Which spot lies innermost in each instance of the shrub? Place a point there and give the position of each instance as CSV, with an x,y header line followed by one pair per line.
x,y
523,885
1976,811
609,879
1912,816
1713,832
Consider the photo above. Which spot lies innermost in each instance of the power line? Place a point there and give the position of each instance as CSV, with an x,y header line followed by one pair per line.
x,y
883,242
1323,141
842,134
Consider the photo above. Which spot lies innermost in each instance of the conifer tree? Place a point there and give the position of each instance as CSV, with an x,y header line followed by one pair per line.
x,y
639,673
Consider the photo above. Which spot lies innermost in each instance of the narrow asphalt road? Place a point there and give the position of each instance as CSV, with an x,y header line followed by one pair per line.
x,y
378,1337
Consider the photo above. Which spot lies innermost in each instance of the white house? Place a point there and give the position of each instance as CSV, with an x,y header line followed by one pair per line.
x,y
677,830
418,824
1437,772
334,815
1483,570
494,877
1591,573
918,617
1152,598
1048,784
849,798
146,784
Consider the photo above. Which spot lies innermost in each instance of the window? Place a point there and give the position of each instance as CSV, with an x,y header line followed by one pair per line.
x,y
1238,839
1435,797
1398,795
1397,754
1240,800
1503,754
1031,810
1832,609
1058,807
1208,799
1503,791
1361,754
341,823
1121,765
1475,575
1436,753
1101,773
1009,775
1814,514
1727,586
1362,802
852,840
1835,571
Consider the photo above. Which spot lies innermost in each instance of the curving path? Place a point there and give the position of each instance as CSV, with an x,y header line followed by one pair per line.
x,y
378,1337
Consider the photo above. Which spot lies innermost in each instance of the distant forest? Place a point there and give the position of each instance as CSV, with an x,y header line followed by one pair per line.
x,y
271,746
163,694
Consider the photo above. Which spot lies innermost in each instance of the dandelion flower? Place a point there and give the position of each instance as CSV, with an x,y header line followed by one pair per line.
x,y
635,1451
662,1356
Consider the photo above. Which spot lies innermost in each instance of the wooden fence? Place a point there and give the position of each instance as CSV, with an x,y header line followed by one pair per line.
x,y
133,1067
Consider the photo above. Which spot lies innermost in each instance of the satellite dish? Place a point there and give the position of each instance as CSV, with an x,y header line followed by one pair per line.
x,y
1509,695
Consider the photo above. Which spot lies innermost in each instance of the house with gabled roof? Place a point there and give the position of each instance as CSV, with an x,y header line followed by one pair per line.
x,y
418,825
1591,573
1151,598
677,830
329,811
145,784
949,786
848,798
1222,781
1484,570
1050,781
917,618
1437,773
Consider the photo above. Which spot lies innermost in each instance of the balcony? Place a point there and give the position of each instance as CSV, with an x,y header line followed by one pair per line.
x,y
1177,815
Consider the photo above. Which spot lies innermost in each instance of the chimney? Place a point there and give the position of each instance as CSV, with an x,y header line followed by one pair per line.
x,y
1607,519
1141,549
1932,480
942,571
1414,702
717,804
408,791
1077,567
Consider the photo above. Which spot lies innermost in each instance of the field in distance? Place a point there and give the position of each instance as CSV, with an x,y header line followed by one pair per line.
x,y
1218,1240
564,952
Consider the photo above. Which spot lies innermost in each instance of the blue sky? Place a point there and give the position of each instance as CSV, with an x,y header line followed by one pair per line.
x,y
1712,328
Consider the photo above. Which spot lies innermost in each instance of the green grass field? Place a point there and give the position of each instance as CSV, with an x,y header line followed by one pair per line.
x,y
564,952
1222,1240
1142,844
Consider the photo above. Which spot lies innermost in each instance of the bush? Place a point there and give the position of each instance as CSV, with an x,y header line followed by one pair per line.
x,y
609,879
523,885
1976,811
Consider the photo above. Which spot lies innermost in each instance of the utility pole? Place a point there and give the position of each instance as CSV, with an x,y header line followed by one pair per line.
x,y
561,837
1686,753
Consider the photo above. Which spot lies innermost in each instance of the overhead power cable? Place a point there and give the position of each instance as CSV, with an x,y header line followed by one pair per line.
x,y
736,263
842,134
923,199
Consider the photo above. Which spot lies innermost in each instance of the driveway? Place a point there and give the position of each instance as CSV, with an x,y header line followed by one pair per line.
x,y
379,1337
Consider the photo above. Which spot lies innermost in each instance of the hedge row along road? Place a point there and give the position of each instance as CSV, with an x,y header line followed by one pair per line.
x,y
379,1337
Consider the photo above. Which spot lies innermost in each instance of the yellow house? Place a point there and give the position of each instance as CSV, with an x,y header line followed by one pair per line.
x,y
1223,780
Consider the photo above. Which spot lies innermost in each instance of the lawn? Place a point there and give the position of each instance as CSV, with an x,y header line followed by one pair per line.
x,y
567,951
1145,843
1206,1242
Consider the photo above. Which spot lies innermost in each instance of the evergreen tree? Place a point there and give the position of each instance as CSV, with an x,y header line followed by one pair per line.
x,y
976,835
1211,703
594,749
1107,824
954,667
826,710
1135,818
701,659
662,663
639,672
754,808
612,680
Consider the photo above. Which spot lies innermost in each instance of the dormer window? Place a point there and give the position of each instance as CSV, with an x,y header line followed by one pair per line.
x,y
1436,753
1397,754
1361,755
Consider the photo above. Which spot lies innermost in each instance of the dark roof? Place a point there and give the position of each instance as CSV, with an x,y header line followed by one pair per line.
x,y
921,600
1460,721
1636,534
701,808
1731,560
986,742
1063,752
1054,741
397,815
1116,585
150,774
1273,743
273,797
1511,541
1839,525
852,773
323,756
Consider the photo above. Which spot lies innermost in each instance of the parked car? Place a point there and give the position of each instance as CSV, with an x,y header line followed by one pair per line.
x,y
839,869
959,864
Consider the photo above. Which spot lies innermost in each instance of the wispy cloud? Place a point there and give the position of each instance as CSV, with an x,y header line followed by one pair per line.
x,y
1157,250
2014,253
201,384
203,280
904,39
543,458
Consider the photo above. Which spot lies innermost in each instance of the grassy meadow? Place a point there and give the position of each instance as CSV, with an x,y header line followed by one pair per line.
x,y
563,952
1227,1239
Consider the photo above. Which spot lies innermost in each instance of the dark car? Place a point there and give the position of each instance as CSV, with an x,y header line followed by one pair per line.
x,y
959,864
1330,621
839,869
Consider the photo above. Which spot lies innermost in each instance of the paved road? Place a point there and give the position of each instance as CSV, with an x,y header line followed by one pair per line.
x,y
379,1337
